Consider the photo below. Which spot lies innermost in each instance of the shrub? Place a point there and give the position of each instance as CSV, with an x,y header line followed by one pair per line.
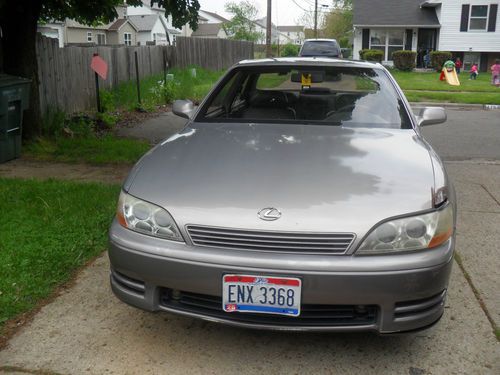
x,y
438,58
290,50
362,53
404,60
373,55
107,100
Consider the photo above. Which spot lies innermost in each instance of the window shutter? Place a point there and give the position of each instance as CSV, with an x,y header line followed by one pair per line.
x,y
493,17
464,23
366,39
409,37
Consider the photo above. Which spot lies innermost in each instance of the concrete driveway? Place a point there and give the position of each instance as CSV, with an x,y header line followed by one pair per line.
x,y
88,331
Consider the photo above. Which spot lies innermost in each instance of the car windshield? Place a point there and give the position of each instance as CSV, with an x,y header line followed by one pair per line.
x,y
320,48
329,95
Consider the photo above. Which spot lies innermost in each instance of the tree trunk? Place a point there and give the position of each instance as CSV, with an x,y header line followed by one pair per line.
x,y
18,21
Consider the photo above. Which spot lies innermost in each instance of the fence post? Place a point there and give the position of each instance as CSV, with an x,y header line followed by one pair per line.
x,y
137,79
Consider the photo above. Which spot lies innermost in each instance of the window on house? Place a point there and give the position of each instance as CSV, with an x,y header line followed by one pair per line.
x,y
127,39
387,41
478,17
101,38
89,36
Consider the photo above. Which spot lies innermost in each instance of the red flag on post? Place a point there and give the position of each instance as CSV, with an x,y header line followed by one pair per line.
x,y
99,66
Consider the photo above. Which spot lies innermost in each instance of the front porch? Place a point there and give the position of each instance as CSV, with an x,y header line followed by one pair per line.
x,y
390,39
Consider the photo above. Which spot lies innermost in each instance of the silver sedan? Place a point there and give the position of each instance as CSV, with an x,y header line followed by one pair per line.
x,y
301,195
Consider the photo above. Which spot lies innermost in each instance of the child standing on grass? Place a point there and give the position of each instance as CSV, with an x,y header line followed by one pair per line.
x,y
473,72
458,65
495,73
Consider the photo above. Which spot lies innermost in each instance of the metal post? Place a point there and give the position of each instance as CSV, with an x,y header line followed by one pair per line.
x,y
316,19
269,51
98,98
137,79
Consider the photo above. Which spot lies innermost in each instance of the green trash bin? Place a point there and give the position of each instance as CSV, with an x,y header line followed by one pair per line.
x,y
14,99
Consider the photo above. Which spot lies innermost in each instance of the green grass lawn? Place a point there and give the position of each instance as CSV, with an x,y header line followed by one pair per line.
x,y
186,87
420,87
430,82
93,150
48,229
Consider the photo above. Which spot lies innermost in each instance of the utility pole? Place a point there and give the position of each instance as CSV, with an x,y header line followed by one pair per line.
x,y
269,51
316,19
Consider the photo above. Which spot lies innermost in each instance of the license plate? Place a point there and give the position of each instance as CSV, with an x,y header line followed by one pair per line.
x,y
261,294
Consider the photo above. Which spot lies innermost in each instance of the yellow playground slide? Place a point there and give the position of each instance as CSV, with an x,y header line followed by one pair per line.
x,y
451,77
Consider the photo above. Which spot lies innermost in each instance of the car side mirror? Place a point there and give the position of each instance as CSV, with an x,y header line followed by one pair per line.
x,y
183,108
430,116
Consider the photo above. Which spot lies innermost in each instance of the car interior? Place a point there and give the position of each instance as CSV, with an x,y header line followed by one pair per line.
x,y
300,95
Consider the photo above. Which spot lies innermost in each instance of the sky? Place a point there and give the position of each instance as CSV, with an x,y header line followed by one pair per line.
x,y
284,12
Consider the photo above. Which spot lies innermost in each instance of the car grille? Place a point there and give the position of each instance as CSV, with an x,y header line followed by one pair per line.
x,y
322,243
310,315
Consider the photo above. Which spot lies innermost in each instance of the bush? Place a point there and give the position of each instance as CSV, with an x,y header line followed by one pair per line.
x,y
362,53
438,58
373,55
290,50
404,60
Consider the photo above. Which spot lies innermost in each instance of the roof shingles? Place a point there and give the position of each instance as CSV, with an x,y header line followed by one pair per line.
x,y
393,13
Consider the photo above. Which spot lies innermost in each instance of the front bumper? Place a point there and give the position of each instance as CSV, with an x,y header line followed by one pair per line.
x,y
158,275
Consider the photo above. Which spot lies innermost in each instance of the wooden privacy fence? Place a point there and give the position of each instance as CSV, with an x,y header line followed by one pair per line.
x,y
68,84
211,53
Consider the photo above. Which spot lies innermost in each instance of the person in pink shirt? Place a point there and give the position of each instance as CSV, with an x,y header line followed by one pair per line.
x,y
495,73
473,71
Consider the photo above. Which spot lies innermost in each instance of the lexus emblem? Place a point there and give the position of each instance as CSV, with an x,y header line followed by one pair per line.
x,y
269,214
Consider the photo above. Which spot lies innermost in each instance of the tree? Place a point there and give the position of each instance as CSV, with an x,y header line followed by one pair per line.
x,y
19,20
242,26
337,23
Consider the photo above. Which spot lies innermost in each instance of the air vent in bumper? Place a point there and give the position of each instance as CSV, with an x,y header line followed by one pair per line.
x,y
310,316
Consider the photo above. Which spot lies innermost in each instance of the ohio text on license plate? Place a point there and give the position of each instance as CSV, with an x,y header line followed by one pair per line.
x,y
261,294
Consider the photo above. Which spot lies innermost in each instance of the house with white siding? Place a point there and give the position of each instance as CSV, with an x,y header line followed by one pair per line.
x,y
295,33
470,29
151,28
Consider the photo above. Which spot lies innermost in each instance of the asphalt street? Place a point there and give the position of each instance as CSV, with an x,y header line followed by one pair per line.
x,y
86,330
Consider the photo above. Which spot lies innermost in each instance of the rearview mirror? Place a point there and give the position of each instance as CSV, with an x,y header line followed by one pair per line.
x,y
430,116
183,108
315,77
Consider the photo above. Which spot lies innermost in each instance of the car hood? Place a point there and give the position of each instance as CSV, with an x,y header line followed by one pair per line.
x,y
322,178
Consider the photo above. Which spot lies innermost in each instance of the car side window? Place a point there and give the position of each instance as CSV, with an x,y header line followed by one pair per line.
x,y
218,103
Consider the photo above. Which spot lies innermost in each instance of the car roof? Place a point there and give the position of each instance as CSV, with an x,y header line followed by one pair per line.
x,y
320,40
323,61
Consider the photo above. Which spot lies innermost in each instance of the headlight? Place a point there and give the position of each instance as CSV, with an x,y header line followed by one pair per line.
x,y
410,233
147,218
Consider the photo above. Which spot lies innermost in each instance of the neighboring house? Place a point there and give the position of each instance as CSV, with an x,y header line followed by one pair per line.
x,y
211,17
294,33
173,32
209,30
277,37
151,29
470,29
71,32
120,31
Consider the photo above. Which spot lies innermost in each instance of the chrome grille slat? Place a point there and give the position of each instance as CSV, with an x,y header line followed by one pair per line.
x,y
305,236
269,240
295,242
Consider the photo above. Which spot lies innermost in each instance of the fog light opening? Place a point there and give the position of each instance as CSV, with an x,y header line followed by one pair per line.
x,y
360,309
175,294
